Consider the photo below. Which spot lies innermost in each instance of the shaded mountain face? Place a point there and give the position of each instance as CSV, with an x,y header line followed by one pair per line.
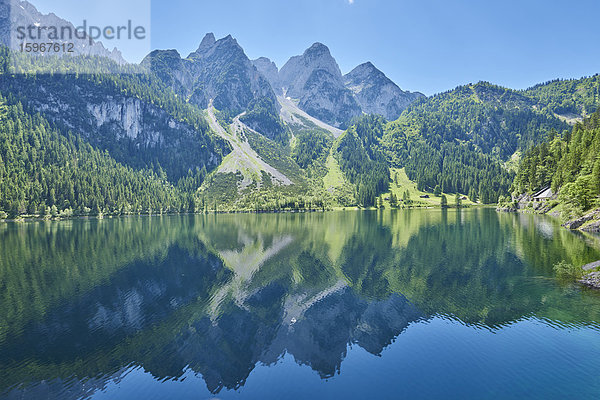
x,y
269,70
15,13
315,80
218,70
135,131
376,93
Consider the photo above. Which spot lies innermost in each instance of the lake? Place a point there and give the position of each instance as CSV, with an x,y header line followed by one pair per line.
x,y
393,304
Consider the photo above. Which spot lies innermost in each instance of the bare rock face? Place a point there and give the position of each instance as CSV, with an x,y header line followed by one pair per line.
x,y
376,93
218,70
269,70
16,13
315,80
298,70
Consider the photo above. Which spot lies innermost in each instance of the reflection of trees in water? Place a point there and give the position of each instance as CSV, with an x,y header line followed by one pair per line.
x,y
308,285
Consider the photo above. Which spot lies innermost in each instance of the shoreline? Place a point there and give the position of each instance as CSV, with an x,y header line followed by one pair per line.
x,y
575,225
25,219
591,280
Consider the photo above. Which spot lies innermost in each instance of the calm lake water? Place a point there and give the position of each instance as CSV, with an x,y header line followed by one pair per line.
x,y
394,304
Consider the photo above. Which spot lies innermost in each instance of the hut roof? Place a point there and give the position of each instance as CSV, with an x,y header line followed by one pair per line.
x,y
543,194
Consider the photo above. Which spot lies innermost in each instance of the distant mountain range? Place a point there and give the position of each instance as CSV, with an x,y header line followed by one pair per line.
x,y
226,132
314,79
16,13
221,71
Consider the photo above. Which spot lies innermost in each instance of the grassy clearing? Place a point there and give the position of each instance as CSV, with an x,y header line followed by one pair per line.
x,y
404,184
334,179
335,183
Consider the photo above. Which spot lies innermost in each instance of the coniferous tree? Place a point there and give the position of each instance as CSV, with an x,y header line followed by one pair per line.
x,y
444,201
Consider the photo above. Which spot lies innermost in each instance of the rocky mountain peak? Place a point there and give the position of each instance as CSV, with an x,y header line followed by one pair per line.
x,y
365,69
297,71
228,42
219,71
270,71
315,80
207,42
376,93
226,47
318,56
317,50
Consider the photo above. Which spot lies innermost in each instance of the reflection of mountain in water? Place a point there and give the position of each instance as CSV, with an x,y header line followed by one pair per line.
x,y
320,339
222,294
136,297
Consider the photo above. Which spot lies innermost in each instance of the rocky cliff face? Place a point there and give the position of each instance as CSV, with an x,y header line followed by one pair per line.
x,y
376,93
269,70
135,132
315,80
298,70
130,118
218,70
15,13
171,69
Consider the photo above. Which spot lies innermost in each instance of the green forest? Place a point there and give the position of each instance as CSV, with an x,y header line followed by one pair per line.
x,y
478,140
45,173
570,164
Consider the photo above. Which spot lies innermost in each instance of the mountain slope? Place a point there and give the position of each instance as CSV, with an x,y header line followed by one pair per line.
x,y
458,140
495,120
47,172
243,159
297,119
570,99
259,174
220,72
315,81
269,70
376,93
132,116
570,163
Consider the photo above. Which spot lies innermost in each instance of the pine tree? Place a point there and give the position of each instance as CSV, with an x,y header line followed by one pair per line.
x,y
473,195
393,200
596,177
444,201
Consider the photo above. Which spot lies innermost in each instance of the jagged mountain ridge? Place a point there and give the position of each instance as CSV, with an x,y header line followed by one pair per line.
x,y
218,70
315,81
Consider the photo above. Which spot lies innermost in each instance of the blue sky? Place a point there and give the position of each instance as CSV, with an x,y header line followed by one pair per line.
x,y
425,45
